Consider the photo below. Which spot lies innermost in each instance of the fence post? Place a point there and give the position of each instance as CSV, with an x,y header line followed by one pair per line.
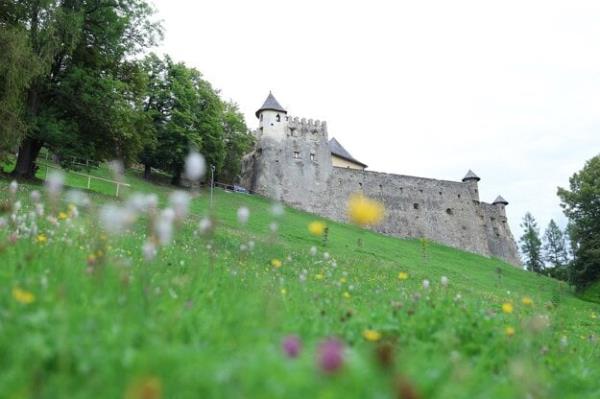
x,y
117,193
89,181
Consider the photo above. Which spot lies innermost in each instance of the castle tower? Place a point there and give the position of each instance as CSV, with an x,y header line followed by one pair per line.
x,y
500,203
273,119
472,180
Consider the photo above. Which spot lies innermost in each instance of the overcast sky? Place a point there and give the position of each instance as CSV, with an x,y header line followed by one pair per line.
x,y
510,89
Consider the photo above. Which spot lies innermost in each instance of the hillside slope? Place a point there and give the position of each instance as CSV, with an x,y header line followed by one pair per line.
x,y
83,315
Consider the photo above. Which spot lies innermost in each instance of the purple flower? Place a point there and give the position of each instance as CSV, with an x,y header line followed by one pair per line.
x,y
291,346
330,355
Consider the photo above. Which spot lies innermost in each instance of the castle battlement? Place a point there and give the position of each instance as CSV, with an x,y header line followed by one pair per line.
x,y
304,125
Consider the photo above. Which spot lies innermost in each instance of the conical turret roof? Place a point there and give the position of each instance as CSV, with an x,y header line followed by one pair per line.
x,y
271,104
500,200
471,176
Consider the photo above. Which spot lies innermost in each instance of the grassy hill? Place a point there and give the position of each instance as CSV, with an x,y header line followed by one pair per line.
x,y
82,314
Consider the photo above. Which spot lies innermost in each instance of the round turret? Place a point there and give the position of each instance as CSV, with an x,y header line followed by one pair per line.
x,y
470,176
270,104
500,201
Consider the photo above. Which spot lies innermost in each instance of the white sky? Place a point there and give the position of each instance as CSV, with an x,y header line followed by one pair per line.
x,y
510,89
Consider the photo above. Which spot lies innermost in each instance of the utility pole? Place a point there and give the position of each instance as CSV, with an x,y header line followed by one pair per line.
x,y
212,183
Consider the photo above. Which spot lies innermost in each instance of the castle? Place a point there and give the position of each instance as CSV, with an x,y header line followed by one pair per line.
x,y
295,162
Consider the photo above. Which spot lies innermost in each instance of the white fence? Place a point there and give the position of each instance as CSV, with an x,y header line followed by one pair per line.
x,y
118,184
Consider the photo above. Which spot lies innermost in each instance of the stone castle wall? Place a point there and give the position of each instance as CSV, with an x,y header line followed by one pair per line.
x,y
293,164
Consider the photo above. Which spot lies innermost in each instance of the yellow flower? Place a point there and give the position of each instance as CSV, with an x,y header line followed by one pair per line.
x,y
41,238
527,301
507,307
372,335
319,276
402,276
62,216
23,296
343,280
317,228
276,263
509,331
346,295
364,211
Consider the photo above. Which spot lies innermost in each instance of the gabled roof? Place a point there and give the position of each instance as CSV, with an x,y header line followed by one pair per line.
x,y
271,104
500,200
336,149
471,176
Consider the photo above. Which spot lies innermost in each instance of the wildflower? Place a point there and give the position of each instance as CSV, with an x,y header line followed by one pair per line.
x,y
507,307
243,214
564,341
313,250
346,295
149,387
149,250
164,226
319,276
180,202
23,296
330,355
78,198
41,238
402,276
444,281
195,166
114,219
3,222
39,209
13,187
273,227
205,226
425,284
527,301
291,346
35,196
364,211
276,263
509,331
17,206
62,216
277,209
371,335
316,228
55,182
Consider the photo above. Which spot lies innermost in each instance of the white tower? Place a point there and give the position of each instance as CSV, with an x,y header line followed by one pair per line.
x,y
273,120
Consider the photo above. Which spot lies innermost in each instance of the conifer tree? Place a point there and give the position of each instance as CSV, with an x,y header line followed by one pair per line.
x,y
555,246
531,245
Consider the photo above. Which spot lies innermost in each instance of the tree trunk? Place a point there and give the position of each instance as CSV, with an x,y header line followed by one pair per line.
x,y
147,171
176,178
28,153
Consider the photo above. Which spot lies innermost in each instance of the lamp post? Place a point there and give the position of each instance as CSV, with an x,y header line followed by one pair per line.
x,y
212,183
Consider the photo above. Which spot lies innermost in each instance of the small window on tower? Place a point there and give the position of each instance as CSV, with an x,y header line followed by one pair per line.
x,y
278,118
296,155
312,156
261,117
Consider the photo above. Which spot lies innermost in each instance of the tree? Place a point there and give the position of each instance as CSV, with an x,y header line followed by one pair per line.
x,y
581,204
238,141
555,246
86,100
531,245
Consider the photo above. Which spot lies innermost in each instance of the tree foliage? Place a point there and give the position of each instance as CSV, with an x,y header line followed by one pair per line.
x,y
555,246
531,245
581,204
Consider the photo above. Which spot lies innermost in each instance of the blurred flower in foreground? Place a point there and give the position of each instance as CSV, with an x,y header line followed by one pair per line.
x,y
180,202
205,226
330,355
372,335
507,308
149,250
402,276
364,211
425,284
41,238
527,301
316,228
13,187
54,182
23,296
277,209
243,214
444,281
313,251
195,166
149,387
291,346
509,331
276,263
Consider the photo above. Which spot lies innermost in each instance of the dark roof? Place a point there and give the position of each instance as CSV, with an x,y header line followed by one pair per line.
x,y
471,176
336,149
500,200
271,104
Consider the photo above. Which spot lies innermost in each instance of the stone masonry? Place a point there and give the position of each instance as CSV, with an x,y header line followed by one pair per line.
x,y
291,163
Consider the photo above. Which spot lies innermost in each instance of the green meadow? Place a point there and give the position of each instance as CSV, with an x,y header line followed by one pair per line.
x,y
84,314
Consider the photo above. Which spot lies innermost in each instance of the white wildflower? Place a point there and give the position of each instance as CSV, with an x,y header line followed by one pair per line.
x,y
277,209
564,341
55,182
425,284
325,255
149,250
164,226
313,250
35,196
17,206
251,245
114,219
243,214
78,198
273,227
195,166
205,226
39,209
180,202
13,187
243,247
444,281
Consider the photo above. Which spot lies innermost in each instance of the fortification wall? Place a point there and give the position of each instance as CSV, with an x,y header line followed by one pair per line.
x,y
294,166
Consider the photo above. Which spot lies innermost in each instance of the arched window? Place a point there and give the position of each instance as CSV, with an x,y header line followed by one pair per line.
x,y
278,118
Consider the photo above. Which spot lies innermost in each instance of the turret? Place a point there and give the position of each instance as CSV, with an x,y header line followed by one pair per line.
x,y
500,203
472,180
273,119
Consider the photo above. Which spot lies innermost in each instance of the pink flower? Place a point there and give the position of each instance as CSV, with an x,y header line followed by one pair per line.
x,y
291,346
330,355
